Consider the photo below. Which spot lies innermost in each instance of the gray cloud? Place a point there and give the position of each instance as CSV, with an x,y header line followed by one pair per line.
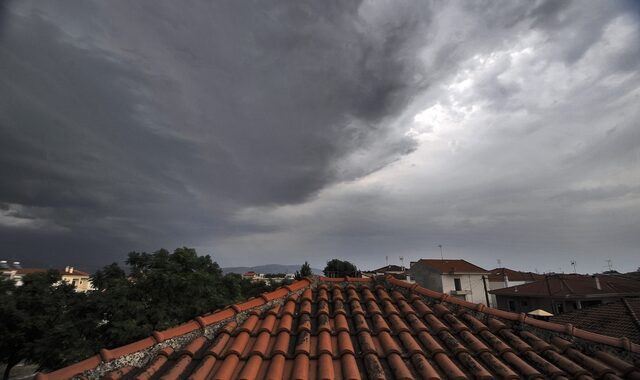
x,y
272,132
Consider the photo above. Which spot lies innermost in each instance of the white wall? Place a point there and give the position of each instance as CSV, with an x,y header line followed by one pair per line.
x,y
470,282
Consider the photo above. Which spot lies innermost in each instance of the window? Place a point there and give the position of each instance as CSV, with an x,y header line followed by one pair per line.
x,y
512,305
457,284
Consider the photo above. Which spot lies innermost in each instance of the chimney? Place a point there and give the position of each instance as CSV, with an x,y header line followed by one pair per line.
x,y
71,270
506,281
66,269
598,286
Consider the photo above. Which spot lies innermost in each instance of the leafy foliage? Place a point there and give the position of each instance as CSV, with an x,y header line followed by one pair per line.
x,y
46,322
340,268
38,322
305,271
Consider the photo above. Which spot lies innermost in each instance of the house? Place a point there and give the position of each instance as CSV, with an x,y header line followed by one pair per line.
x,y
81,280
561,293
456,277
250,275
504,277
397,271
363,328
617,318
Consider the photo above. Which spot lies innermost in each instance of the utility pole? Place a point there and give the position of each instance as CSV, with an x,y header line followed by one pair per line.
x,y
486,293
441,255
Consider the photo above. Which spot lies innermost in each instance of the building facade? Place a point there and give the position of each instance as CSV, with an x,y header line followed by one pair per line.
x,y
456,277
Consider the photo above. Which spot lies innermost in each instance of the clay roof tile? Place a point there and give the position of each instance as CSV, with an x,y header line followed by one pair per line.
x,y
384,329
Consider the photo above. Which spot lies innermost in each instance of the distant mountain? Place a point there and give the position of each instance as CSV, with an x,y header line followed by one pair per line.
x,y
269,268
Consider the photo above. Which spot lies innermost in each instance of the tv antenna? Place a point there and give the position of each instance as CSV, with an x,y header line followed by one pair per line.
x,y
609,264
573,264
441,254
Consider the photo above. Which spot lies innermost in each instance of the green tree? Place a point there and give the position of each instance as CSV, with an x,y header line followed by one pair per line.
x,y
37,323
10,327
340,268
305,271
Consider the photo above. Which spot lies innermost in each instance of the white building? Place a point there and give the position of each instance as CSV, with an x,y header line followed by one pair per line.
x,y
455,277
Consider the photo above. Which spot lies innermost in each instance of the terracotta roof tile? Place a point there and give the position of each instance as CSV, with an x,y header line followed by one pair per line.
x,y
451,266
353,330
574,285
619,318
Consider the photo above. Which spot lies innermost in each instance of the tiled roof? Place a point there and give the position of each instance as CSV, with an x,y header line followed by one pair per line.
x,y
498,274
451,265
573,285
388,268
364,329
75,273
619,318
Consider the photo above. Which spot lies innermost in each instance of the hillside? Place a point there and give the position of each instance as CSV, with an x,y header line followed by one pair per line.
x,y
269,268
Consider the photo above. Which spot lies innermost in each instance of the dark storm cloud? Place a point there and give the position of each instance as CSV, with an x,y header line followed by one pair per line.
x,y
279,132
148,123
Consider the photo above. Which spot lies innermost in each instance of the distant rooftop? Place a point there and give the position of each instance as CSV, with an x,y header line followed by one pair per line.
x,y
574,285
498,274
451,266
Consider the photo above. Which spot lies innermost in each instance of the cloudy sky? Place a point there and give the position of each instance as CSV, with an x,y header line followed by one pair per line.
x,y
278,132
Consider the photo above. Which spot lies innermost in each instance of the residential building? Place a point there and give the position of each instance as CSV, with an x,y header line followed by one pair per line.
x,y
504,277
618,318
362,328
456,277
81,280
561,293
396,271
250,275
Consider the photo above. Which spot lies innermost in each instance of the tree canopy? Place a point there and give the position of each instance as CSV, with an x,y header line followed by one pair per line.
x,y
305,271
340,268
46,322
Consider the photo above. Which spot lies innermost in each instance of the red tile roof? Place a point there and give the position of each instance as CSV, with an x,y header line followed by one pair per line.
x,y
388,268
574,286
451,265
619,318
498,274
354,328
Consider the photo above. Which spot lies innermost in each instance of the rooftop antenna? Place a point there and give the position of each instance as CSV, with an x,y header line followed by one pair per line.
x,y
609,264
441,254
573,264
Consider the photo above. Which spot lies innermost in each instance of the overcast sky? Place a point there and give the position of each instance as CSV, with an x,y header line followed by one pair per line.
x,y
279,132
